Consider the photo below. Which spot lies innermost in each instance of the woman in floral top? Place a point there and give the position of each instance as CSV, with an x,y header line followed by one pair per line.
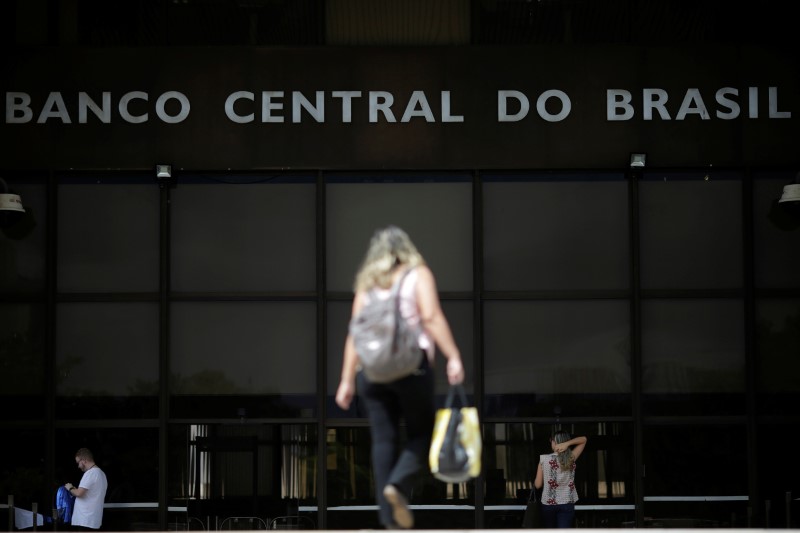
x,y
556,472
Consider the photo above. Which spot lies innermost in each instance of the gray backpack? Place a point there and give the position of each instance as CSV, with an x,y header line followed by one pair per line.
x,y
386,344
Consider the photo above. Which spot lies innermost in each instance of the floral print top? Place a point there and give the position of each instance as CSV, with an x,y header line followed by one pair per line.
x,y
559,486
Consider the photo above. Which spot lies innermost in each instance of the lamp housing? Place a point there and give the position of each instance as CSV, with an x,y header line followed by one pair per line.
x,y
163,171
638,160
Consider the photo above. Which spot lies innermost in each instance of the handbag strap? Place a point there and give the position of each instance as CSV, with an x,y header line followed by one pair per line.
x,y
451,394
532,496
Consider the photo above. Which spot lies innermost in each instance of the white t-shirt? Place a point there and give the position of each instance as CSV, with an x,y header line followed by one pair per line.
x,y
88,511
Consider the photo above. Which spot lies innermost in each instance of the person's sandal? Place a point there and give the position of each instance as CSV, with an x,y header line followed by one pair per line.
x,y
400,511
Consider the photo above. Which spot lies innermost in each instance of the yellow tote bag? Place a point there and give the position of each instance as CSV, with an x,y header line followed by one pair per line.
x,y
456,446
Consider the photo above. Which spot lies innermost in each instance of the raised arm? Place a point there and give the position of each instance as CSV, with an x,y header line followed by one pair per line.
x,y
578,442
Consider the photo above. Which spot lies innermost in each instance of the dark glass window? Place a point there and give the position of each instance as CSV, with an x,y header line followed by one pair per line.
x,y
433,208
691,230
777,475
571,355
777,350
238,474
542,230
695,475
108,234
693,357
243,234
24,477
243,359
22,340
107,360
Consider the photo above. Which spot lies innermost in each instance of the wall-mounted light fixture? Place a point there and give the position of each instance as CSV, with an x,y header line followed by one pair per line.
x,y
16,222
638,160
791,192
8,201
163,171
164,176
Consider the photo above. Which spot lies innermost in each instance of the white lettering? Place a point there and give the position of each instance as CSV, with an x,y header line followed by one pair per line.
x,y
123,107
502,106
692,103
418,98
54,107
85,103
267,106
381,101
446,116
773,105
18,102
752,110
655,99
618,99
512,106
316,111
347,103
161,107
541,108
230,102
728,103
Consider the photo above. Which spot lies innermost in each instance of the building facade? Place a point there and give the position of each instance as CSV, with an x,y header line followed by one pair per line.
x,y
197,200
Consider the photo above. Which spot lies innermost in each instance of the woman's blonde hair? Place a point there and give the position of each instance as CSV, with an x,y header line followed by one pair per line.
x,y
389,248
565,458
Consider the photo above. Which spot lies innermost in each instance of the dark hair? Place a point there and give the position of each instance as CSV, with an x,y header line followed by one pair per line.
x,y
84,453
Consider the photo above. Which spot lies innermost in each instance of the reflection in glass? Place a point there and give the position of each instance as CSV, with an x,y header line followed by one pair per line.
x,y
691,231
107,349
22,358
541,234
693,349
243,359
670,451
777,478
440,224
778,345
242,469
254,233
572,352
675,454
24,477
243,348
108,235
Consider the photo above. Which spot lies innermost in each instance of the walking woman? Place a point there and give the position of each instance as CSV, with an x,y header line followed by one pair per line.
x,y
556,472
390,254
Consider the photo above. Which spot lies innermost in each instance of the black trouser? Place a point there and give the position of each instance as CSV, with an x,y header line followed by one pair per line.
x,y
409,398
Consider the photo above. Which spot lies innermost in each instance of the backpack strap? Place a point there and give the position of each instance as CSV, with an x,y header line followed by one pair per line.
x,y
397,286
396,295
